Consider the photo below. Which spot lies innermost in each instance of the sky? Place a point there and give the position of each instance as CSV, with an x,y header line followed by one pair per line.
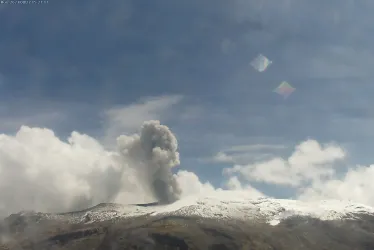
x,y
74,76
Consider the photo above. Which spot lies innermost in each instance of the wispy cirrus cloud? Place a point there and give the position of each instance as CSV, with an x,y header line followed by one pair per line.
x,y
128,118
245,153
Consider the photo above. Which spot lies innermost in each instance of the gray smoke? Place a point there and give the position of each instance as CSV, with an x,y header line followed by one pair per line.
x,y
153,153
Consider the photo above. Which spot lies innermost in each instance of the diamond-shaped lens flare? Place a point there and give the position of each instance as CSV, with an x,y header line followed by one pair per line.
x,y
260,63
284,89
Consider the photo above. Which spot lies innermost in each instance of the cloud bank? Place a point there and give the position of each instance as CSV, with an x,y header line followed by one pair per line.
x,y
38,171
314,171
41,172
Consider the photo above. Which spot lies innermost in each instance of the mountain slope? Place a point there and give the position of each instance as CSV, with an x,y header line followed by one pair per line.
x,y
223,220
219,205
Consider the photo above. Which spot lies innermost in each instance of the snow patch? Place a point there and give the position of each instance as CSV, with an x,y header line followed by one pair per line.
x,y
226,205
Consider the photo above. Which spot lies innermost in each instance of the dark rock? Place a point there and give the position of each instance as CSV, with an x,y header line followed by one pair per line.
x,y
193,233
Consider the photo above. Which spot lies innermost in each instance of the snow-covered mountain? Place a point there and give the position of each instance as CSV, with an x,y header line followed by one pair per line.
x,y
221,205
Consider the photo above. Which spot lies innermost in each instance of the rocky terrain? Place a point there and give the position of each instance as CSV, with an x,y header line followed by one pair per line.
x,y
197,223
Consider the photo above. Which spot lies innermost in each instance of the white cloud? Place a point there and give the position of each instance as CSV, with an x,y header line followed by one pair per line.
x,y
357,185
233,183
41,172
191,185
309,162
222,157
312,171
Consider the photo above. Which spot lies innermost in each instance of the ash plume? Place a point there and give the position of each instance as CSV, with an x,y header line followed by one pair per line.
x,y
153,153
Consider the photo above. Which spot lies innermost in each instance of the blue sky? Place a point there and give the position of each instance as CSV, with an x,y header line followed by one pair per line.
x,y
64,64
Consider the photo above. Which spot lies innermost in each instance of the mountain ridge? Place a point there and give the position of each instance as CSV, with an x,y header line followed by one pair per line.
x,y
215,221
221,205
